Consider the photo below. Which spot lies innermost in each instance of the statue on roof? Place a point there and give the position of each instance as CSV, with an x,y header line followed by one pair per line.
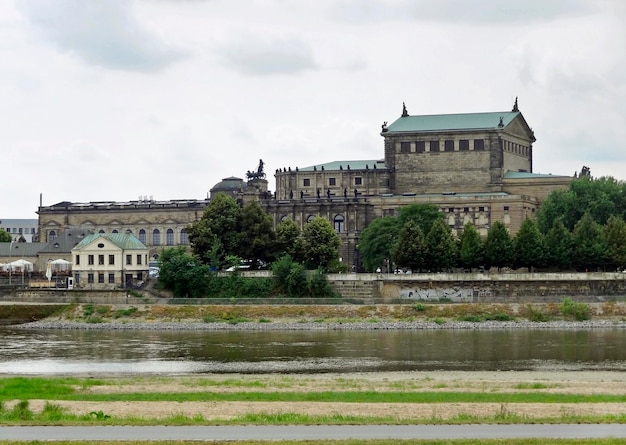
x,y
515,107
405,113
258,174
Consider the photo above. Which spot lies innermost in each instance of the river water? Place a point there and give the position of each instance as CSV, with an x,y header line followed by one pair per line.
x,y
67,352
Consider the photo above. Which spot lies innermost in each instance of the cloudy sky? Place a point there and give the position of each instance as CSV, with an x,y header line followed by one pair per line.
x,y
112,100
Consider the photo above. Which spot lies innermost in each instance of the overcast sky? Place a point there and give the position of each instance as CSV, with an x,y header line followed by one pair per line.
x,y
112,100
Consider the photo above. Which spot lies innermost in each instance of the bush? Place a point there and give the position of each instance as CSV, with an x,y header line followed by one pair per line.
x,y
319,287
536,315
578,311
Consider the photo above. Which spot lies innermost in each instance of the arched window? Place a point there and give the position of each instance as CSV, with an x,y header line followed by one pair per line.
x,y
114,231
101,231
284,218
156,237
129,232
52,235
169,237
142,236
184,239
339,223
310,218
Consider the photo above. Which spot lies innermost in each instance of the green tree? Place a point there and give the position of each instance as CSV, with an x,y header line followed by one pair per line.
x,y
220,221
182,273
376,241
558,242
529,245
615,235
589,244
442,249
498,246
288,239
411,250
257,240
472,249
601,198
5,237
289,277
424,215
320,245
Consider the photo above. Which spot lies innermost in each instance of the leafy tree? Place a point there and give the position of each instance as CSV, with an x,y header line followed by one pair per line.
x,y
498,246
615,235
289,277
182,273
601,198
220,221
376,241
257,240
320,244
558,242
411,250
424,215
442,250
589,244
5,237
471,247
288,239
529,245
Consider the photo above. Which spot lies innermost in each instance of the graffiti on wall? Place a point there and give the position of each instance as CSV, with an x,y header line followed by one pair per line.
x,y
456,294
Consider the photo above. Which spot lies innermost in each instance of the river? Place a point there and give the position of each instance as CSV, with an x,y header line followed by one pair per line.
x,y
74,352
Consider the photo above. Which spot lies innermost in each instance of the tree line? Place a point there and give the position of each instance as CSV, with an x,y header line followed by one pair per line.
x,y
581,228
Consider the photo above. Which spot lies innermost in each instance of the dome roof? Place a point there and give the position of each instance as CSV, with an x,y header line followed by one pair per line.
x,y
231,185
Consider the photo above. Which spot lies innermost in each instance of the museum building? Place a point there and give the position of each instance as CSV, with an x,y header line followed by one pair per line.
x,y
476,167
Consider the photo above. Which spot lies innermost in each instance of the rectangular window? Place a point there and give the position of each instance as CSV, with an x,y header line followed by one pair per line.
x,y
448,145
138,258
101,260
90,260
479,144
111,278
450,209
420,147
101,278
90,278
306,182
358,181
506,208
139,276
405,147
481,209
129,260
332,181
111,260
466,209
434,146
77,260
464,145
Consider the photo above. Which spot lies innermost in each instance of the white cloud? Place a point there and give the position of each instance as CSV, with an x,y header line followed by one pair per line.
x,y
99,32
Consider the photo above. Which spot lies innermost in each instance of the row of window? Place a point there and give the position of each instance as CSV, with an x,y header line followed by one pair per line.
x,y
338,221
21,230
435,146
111,260
518,149
306,182
143,236
111,278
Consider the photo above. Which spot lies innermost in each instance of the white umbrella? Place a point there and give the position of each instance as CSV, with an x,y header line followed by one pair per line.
x,y
22,264
60,264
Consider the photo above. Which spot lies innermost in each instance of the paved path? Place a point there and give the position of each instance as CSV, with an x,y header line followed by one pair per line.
x,y
304,432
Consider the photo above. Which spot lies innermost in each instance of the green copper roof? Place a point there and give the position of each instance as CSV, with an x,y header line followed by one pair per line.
x,y
344,165
122,240
526,175
446,122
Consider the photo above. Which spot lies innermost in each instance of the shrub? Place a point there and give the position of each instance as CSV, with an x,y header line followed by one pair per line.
x,y
578,311
319,286
536,315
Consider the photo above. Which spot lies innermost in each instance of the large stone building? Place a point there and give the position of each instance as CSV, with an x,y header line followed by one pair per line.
x,y
476,167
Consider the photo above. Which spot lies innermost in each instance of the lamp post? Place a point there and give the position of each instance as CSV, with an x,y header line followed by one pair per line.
x,y
10,255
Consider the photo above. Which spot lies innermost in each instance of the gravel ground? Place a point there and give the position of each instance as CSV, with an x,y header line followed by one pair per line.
x,y
317,326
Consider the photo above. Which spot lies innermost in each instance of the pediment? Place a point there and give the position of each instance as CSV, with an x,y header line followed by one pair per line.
x,y
518,127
